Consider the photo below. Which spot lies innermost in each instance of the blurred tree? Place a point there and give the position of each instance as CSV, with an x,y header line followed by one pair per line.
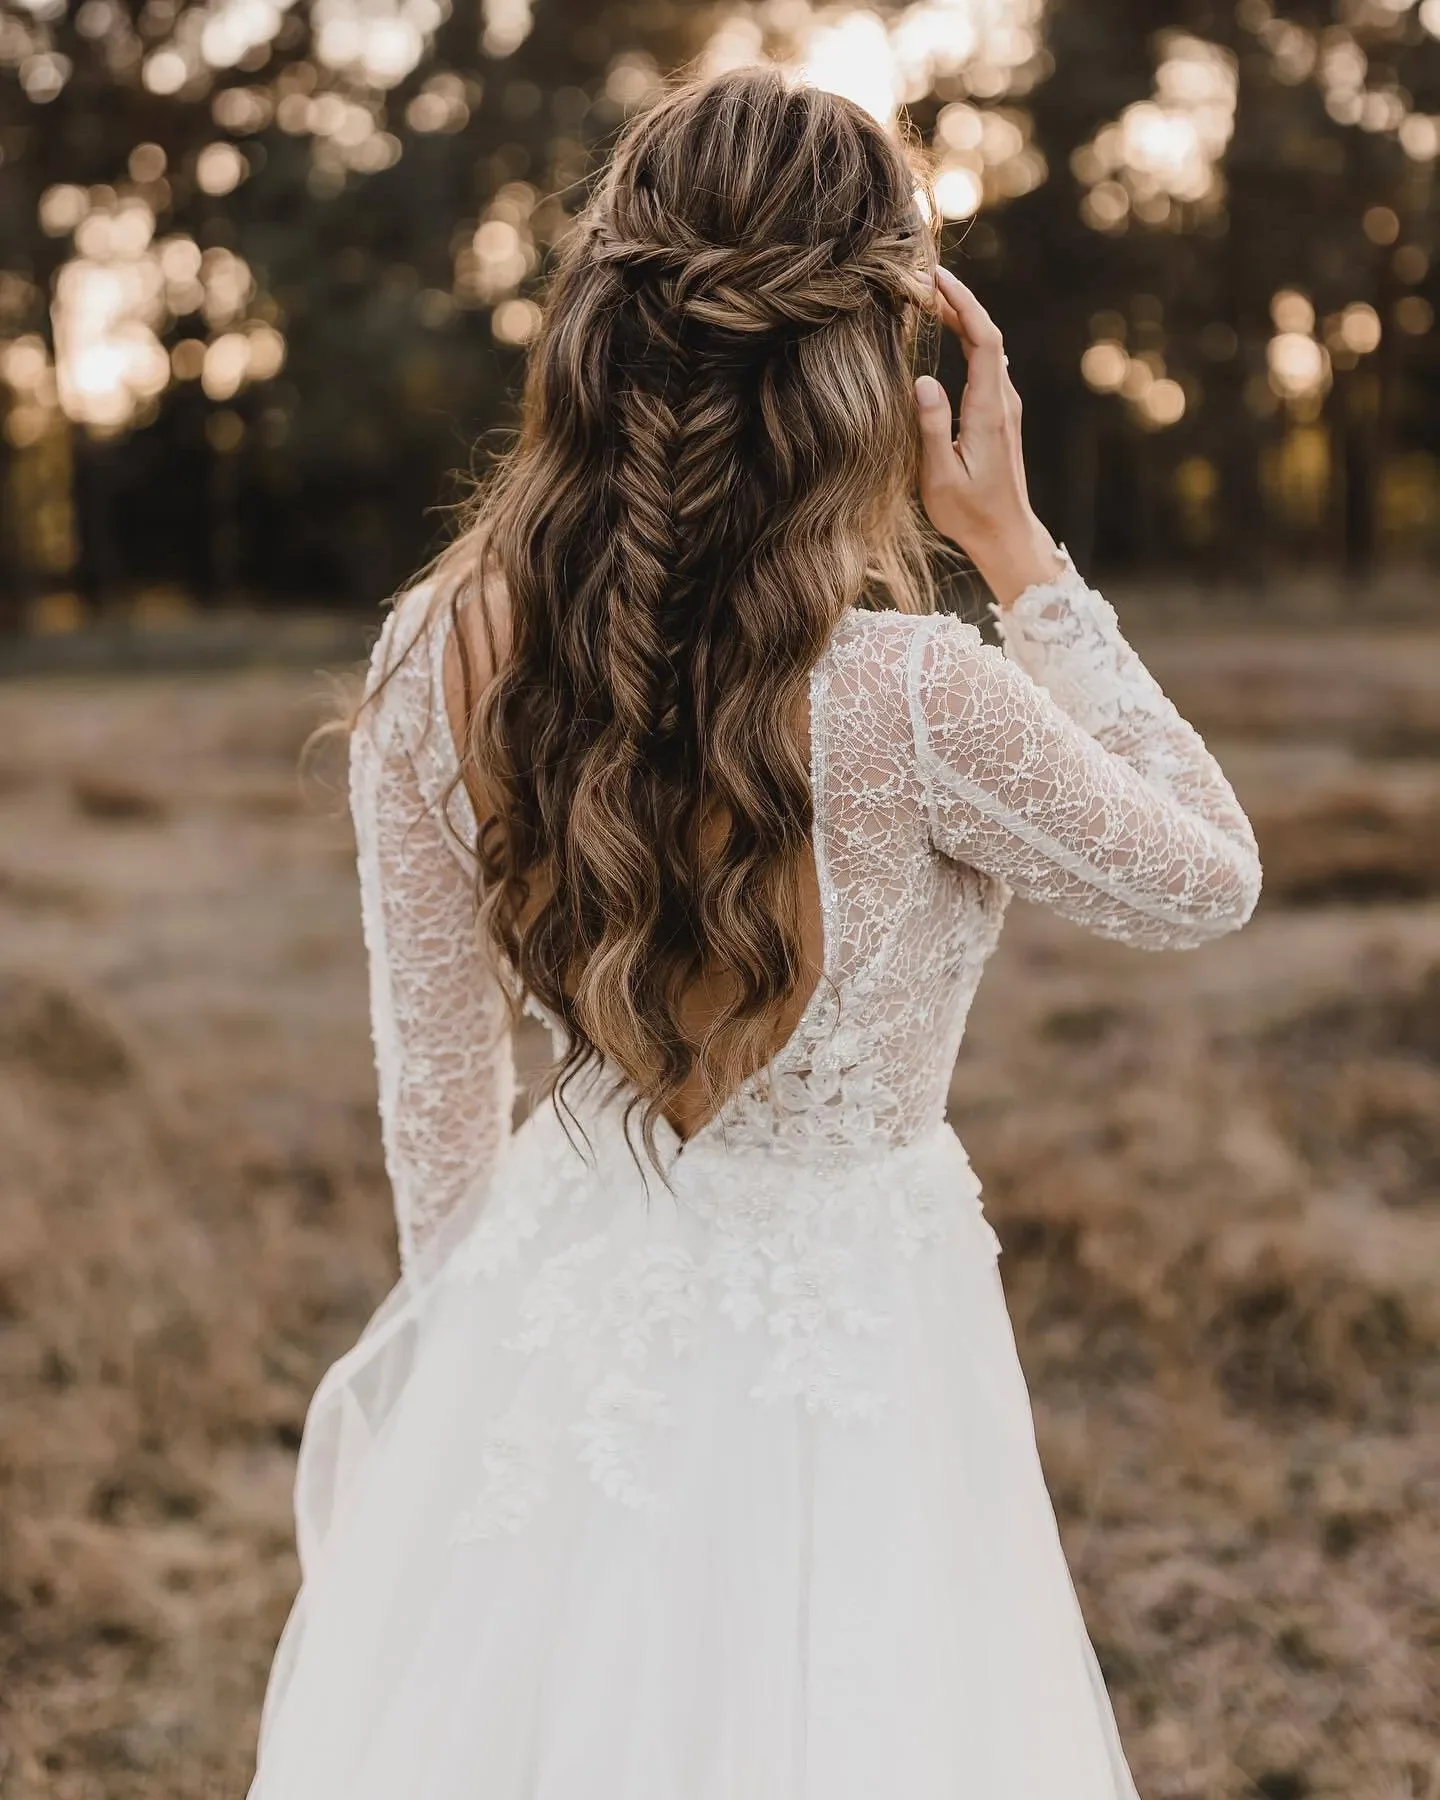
x,y
1239,264
265,267
241,281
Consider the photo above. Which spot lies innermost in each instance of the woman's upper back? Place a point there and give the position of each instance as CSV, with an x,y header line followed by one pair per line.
x,y
943,774
886,920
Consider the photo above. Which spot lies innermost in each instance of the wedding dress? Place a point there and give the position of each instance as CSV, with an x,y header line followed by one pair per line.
x,y
727,1489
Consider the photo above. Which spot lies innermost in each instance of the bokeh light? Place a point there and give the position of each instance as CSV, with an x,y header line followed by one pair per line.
x,y
1292,311
43,77
220,168
1299,367
187,359
152,287
502,251
61,209
1103,366
242,109
166,72
1155,398
444,103
1360,328
507,24
124,289
1160,161
515,321
1357,87
26,369
377,42
987,49
1381,224
146,163
1163,402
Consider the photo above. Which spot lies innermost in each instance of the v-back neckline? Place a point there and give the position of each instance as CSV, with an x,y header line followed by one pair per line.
x,y
685,1142
819,672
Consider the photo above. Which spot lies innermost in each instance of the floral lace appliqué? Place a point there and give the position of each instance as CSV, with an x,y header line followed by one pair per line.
x,y
945,776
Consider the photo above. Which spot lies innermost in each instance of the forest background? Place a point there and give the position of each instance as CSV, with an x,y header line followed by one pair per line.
x,y
267,270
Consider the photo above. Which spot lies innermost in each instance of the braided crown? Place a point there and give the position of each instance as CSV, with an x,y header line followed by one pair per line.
x,y
748,291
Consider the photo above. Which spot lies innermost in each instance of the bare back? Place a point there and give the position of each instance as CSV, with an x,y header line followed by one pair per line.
x,y
690,1110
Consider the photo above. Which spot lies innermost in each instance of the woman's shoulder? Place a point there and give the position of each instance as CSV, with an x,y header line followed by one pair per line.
x,y
400,683
890,631
405,643
879,650
406,720
439,646
885,670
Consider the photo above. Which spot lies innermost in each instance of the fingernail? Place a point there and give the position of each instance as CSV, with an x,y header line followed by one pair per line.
x,y
928,391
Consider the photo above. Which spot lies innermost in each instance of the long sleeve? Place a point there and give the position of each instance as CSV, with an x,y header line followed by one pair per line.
x,y
439,1017
1061,769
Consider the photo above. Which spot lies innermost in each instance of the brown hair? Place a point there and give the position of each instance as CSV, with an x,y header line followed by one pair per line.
x,y
716,458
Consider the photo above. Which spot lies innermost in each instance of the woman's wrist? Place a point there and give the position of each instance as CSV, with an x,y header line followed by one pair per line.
x,y
1016,557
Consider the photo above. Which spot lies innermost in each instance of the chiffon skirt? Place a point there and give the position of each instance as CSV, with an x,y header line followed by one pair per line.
x,y
725,1491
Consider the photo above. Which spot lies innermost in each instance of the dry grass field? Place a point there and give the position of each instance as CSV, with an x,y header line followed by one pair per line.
x,y
1216,1177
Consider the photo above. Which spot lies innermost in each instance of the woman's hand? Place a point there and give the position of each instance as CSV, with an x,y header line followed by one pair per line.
x,y
973,487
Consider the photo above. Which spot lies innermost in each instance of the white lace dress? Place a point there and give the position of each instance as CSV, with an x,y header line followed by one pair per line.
x,y
730,1492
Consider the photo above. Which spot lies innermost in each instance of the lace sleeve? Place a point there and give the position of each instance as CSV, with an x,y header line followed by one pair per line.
x,y
1062,770
439,1017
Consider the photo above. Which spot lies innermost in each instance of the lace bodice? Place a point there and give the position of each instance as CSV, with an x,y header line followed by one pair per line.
x,y
946,775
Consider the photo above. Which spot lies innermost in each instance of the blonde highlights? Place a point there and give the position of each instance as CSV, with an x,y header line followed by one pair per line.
x,y
716,459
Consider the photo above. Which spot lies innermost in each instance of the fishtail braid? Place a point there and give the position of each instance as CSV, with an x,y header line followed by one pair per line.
x,y
717,446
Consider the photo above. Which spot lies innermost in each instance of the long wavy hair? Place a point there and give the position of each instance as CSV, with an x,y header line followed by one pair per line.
x,y
716,458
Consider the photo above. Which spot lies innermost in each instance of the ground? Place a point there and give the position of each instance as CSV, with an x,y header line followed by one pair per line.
x,y
1216,1177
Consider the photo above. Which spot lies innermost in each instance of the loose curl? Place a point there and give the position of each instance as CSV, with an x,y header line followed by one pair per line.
x,y
716,459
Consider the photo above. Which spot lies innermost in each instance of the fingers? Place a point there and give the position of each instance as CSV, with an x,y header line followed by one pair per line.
x,y
937,442
987,363
946,313
971,323
939,465
987,385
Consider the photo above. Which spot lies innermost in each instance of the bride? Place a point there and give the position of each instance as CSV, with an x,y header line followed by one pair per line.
x,y
690,1458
